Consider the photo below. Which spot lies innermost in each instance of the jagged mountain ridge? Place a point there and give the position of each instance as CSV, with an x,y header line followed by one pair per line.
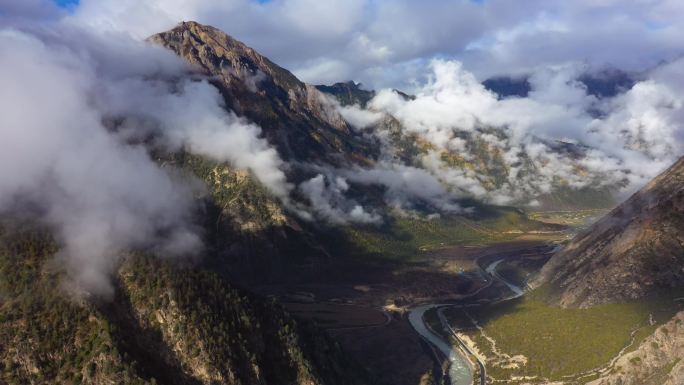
x,y
292,113
305,129
255,237
635,251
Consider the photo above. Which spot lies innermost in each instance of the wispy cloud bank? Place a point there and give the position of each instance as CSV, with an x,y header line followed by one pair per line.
x,y
559,135
81,114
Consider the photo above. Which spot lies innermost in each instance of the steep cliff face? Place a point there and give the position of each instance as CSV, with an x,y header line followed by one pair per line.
x,y
294,115
635,251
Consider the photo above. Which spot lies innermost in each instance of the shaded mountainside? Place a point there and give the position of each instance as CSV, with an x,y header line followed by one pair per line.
x,y
635,251
252,236
249,235
292,114
167,324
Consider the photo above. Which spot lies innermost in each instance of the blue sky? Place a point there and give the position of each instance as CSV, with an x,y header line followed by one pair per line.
x,y
67,3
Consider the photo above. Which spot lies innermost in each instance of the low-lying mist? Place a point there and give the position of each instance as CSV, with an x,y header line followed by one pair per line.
x,y
558,136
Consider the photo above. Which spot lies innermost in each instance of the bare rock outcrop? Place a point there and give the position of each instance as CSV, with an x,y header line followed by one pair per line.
x,y
295,117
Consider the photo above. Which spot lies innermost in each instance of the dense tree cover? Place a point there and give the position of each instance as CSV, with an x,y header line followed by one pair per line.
x,y
168,323
47,337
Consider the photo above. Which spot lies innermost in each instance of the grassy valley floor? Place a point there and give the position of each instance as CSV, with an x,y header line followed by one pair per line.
x,y
526,340
350,308
409,261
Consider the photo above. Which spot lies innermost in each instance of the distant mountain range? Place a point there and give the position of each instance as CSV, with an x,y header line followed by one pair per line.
x,y
605,83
